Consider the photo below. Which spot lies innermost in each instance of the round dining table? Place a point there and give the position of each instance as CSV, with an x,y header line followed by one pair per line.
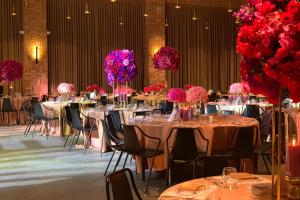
x,y
211,188
160,127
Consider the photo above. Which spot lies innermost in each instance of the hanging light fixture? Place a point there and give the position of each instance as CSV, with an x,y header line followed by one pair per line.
x,y
206,27
86,10
121,21
166,23
194,18
177,6
68,16
229,6
13,13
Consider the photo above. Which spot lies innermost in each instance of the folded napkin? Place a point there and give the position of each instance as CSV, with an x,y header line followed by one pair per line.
x,y
190,186
242,176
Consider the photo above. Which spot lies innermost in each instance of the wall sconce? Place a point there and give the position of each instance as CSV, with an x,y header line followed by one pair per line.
x,y
36,55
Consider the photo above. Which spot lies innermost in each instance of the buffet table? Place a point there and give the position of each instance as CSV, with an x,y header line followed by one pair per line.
x,y
159,127
258,187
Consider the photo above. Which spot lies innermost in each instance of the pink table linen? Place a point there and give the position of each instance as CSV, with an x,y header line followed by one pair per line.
x,y
160,128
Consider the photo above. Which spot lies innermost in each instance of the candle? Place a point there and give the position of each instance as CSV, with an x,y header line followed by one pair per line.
x,y
293,159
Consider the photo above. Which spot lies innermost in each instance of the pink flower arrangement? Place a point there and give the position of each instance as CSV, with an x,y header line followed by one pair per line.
x,y
95,88
239,88
154,88
196,94
123,90
64,88
176,95
268,40
10,70
166,58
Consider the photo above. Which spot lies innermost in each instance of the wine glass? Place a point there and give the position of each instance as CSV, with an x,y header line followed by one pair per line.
x,y
227,180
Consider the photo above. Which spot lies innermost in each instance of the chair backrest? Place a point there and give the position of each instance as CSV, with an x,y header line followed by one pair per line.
x,y
245,142
120,186
68,114
212,97
34,100
74,106
38,111
109,137
76,123
213,165
185,147
266,124
211,108
251,111
131,142
27,109
7,105
116,119
103,100
44,98
109,123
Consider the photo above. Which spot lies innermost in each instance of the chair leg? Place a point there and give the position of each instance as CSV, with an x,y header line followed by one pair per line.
x,y
125,161
120,156
109,162
266,164
72,142
67,140
34,128
143,170
28,130
101,145
77,138
149,175
86,146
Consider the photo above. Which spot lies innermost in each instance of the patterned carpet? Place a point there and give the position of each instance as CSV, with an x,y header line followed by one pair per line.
x,y
41,169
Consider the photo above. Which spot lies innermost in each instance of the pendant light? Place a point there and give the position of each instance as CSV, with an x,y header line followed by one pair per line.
x,y
86,10
13,13
194,18
177,6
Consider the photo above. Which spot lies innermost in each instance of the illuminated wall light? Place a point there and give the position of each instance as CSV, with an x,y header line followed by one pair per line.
x,y
177,6
166,23
121,21
36,55
206,26
146,15
68,16
229,7
86,10
13,13
194,18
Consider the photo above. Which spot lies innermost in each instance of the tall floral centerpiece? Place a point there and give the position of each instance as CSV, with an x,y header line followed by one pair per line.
x,y
185,100
238,92
268,40
65,90
10,70
166,58
120,68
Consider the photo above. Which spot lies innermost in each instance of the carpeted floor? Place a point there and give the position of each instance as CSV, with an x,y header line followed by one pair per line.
x,y
40,169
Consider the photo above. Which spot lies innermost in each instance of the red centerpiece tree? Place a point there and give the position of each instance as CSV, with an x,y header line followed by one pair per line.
x,y
269,41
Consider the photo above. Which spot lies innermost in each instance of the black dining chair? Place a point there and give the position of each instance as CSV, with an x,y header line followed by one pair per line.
x,y
116,119
252,111
39,116
122,186
133,147
9,107
103,100
212,108
44,98
67,117
82,128
244,142
113,141
27,109
184,150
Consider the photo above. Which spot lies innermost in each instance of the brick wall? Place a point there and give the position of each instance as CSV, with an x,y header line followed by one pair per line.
x,y
35,34
154,38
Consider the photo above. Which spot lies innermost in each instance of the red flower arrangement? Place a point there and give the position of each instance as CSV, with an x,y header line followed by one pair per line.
x,y
154,88
95,88
269,42
176,95
10,70
166,58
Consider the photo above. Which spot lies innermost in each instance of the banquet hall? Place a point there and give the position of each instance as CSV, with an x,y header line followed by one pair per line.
x,y
149,99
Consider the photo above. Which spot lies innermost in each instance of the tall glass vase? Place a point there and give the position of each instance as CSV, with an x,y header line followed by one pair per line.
x,y
292,139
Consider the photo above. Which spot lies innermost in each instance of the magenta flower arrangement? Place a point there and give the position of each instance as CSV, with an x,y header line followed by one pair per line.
x,y
65,88
120,67
176,95
196,94
10,70
166,58
268,40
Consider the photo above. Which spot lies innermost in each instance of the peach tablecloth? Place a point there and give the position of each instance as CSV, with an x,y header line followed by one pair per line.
x,y
160,128
260,188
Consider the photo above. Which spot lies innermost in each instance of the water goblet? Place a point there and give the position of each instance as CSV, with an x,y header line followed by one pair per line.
x,y
229,182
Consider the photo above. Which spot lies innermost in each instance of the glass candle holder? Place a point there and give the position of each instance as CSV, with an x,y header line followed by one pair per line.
x,y
186,113
292,171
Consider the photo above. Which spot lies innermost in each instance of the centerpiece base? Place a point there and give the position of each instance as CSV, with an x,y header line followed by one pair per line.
x,y
293,187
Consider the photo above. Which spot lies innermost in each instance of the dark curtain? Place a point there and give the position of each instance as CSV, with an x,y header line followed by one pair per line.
x,y
10,39
208,57
77,47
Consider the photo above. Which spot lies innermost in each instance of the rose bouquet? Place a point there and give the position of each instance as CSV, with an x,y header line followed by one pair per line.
x,y
120,67
196,94
239,88
268,40
10,70
154,88
95,88
166,58
176,95
63,88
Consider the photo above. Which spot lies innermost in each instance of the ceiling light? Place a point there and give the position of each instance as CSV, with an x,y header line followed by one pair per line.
x,y
194,18
177,6
86,11
13,13
113,1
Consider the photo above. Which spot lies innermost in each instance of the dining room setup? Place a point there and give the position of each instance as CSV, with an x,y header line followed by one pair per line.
x,y
149,99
